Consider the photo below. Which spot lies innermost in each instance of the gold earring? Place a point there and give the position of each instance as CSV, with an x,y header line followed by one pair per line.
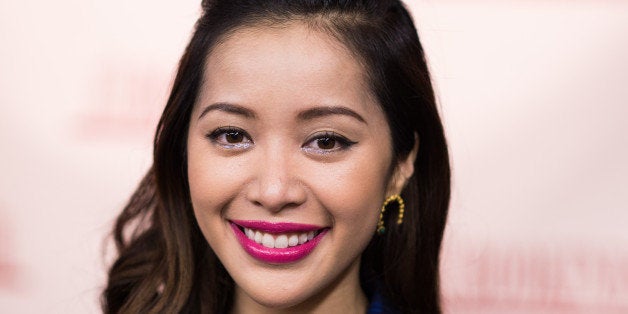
x,y
380,224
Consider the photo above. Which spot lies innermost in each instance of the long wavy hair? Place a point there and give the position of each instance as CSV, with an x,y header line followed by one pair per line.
x,y
164,264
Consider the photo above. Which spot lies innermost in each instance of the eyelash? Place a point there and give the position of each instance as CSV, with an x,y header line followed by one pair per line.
x,y
224,131
338,140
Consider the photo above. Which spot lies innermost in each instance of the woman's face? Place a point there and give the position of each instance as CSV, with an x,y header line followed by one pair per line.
x,y
288,163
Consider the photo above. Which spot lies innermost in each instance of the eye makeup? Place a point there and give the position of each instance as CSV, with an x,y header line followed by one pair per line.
x,y
327,142
230,137
319,143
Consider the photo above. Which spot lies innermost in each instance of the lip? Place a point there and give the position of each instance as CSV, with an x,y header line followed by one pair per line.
x,y
275,255
276,227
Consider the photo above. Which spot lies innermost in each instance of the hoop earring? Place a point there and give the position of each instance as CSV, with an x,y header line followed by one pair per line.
x,y
380,224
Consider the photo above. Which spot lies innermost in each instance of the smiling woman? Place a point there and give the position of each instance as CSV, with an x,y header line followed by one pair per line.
x,y
288,125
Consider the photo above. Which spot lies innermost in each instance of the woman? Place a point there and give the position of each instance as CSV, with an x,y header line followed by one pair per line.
x,y
299,166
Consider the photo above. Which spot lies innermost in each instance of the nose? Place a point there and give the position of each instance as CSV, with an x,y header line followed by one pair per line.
x,y
276,185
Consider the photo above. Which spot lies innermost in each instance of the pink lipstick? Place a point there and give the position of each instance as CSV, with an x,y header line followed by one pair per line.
x,y
277,243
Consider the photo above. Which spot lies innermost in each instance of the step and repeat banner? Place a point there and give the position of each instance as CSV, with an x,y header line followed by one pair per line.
x,y
533,95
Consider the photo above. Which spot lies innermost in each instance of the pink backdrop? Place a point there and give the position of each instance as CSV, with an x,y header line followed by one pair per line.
x,y
533,94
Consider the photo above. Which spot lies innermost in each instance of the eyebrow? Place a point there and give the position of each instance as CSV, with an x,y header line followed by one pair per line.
x,y
309,114
229,108
320,112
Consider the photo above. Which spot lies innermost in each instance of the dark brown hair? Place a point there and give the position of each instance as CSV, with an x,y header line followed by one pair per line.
x,y
164,263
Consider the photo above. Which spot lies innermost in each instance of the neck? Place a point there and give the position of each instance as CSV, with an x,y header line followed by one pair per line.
x,y
344,295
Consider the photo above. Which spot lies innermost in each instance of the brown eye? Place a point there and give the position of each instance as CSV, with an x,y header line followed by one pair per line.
x,y
231,138
326,143
234,137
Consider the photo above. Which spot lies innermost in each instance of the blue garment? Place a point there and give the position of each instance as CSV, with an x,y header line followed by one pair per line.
x,y
378,305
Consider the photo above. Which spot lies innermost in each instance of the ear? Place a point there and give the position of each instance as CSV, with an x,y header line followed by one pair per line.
x,y
403,170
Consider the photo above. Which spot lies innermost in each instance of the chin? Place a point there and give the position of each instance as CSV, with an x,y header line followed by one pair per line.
x,y
278,296
270,299
299,288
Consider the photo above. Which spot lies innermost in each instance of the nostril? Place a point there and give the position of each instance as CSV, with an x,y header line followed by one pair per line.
x,y
276,195
291,205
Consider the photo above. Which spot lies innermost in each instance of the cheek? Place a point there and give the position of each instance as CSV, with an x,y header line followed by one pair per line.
x,y
212,180
352,192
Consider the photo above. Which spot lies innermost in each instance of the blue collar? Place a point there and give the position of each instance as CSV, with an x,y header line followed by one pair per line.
x,y
379,305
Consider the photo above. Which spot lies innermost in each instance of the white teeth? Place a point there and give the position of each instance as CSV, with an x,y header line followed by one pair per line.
x,y
249,233
293,240
268,241
281,242
302,238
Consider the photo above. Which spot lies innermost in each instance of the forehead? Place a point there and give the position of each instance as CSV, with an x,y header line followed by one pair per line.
x,y
292,46
286,63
